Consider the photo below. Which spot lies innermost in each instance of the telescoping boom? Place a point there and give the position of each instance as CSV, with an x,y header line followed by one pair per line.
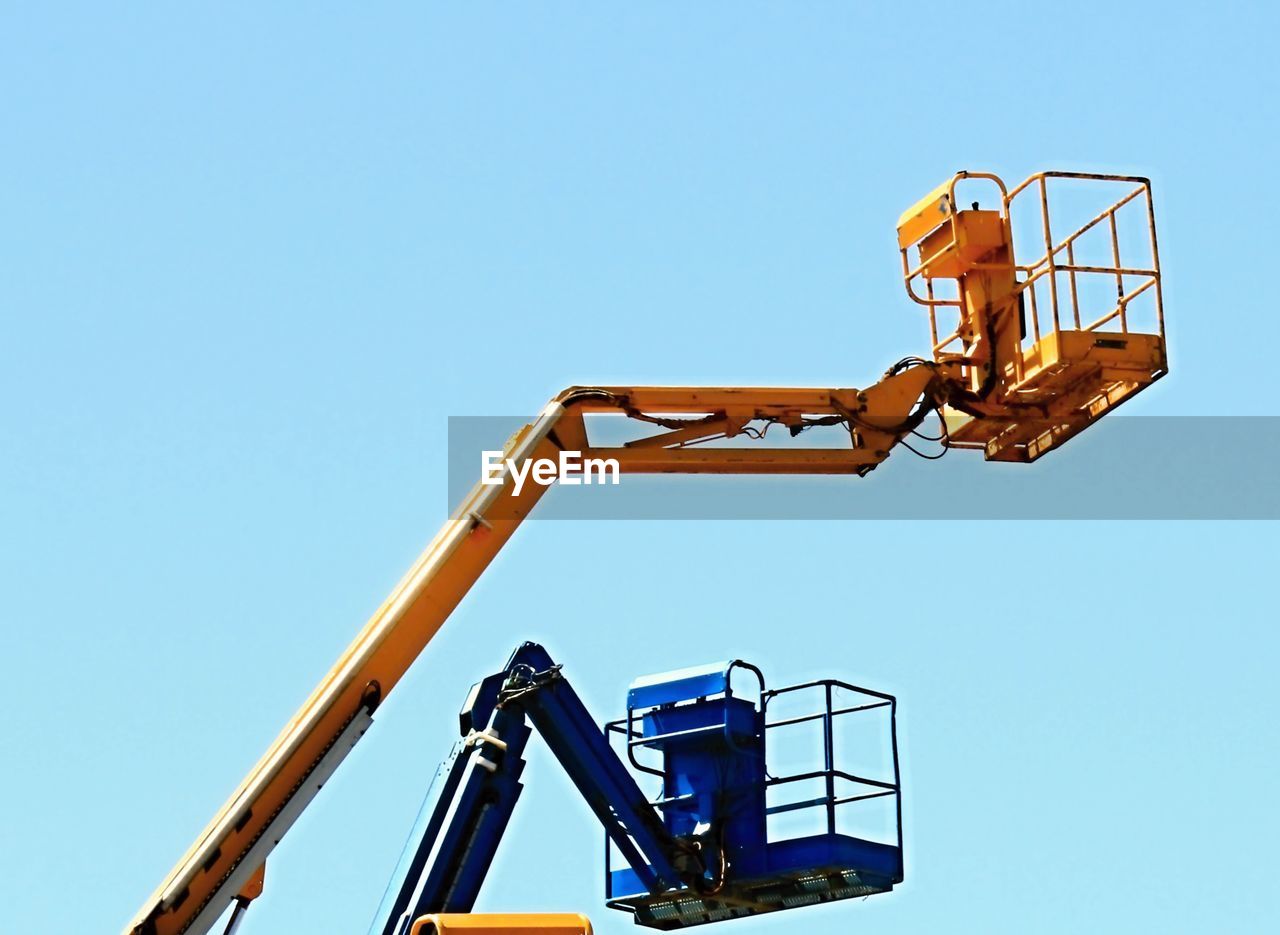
x,y
1020,362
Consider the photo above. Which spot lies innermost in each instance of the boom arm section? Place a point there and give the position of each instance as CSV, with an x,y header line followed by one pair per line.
x,y
457,835
236,843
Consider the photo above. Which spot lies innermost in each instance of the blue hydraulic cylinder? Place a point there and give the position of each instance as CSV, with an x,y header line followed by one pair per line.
x,y
459,826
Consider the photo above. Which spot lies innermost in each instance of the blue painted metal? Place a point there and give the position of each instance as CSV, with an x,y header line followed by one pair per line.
x,y
458,829
698,853
713,777
584,752
459,826
713,750
680,685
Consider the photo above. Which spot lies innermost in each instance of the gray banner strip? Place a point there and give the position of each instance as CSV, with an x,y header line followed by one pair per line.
x,y
1165,467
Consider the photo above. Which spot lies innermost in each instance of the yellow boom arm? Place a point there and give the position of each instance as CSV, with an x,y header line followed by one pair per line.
x,y
995,392
256,816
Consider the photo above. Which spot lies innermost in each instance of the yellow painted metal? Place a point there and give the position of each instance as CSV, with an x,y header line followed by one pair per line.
x,y
558,923
365,673
455,559
925,215
253,888
1043,365
953,249
1014,403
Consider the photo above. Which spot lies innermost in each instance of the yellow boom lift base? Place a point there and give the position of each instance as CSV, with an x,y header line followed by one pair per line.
x,y
477,923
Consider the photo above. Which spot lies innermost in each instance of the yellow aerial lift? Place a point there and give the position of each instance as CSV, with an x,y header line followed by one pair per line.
x,y
1031,359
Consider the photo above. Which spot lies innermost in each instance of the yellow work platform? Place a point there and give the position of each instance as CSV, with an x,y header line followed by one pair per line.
x,y
1069,351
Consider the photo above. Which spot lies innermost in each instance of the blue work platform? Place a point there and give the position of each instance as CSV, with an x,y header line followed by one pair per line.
x,y
698,851
716,775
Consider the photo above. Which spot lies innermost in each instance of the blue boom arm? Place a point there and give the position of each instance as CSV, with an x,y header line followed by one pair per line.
x,y
457,832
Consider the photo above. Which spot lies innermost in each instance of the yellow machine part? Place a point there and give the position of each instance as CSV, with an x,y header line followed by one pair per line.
x,y
1030,337
547,923
925,215
1021,363
952,250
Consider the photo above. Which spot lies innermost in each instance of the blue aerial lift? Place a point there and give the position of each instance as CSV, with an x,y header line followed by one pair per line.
x,y
698,852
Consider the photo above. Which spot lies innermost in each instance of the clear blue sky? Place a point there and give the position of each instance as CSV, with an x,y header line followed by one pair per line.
x,y
252,260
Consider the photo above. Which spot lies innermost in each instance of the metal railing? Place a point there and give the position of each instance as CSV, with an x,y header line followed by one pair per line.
x,y
1058,257
840,787
865,787
1048,265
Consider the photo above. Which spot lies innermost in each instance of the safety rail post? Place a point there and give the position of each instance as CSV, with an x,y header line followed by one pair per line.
x,y
933,313
1035,311
1155,261
897,774
1075,299
829,755
1115,258
1048,246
